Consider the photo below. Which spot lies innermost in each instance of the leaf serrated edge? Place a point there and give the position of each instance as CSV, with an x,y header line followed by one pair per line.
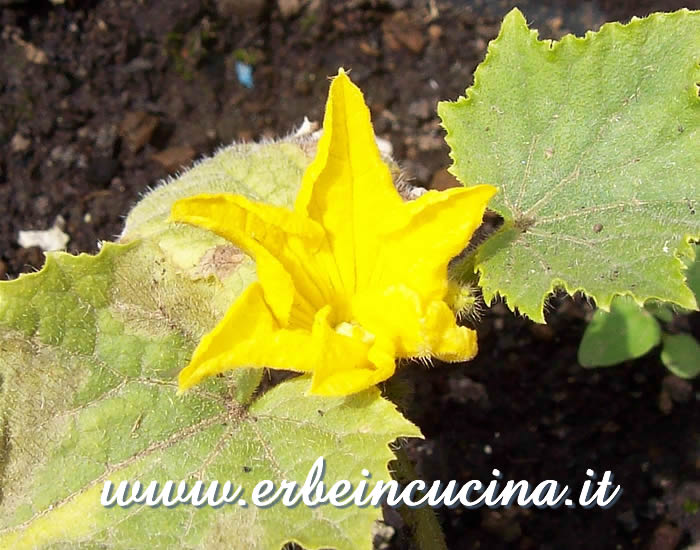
x,y
685,249
515,21
54,260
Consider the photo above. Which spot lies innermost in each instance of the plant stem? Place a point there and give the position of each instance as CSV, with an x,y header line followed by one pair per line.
x,y
423,523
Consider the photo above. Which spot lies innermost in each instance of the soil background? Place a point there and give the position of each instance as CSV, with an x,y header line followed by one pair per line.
x,y
101,99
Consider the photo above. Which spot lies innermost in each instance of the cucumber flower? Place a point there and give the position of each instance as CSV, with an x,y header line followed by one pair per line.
x,y
349,280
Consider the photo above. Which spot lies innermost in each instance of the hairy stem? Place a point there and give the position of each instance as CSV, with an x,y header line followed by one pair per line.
x,y
423,523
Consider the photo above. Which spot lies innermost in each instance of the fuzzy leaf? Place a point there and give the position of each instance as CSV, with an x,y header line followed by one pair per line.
x,y
625,332
90,347
594,143
270,173
661,310
681,355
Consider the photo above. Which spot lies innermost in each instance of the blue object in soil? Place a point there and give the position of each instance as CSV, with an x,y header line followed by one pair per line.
x,y
244,73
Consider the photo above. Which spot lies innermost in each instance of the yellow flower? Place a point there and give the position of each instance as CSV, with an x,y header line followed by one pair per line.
x,y
348,281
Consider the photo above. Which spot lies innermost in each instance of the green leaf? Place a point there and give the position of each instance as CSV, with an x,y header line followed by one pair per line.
x,y
661,310
594,144
693,273
681,355
626,332
89,350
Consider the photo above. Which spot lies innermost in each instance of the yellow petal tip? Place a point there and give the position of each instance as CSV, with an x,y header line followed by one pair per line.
x,y
343,79
184,381
177,211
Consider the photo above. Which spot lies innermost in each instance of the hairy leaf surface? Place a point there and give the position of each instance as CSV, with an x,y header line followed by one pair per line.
x,y
90,347
595,146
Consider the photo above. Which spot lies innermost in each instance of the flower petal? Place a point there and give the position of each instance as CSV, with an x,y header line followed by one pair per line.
x,y
395,314
249,336
448,341
348,187
346,364
275,237
432,230
415,329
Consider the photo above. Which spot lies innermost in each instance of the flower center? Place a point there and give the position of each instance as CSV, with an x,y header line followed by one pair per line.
x,y
355,331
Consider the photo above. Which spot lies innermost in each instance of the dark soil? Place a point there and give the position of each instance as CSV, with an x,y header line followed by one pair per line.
x,y
99,100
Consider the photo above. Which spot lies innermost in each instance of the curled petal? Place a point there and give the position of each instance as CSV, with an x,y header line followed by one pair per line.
x,y
416,330
348,364
448,341
266,233
394,312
